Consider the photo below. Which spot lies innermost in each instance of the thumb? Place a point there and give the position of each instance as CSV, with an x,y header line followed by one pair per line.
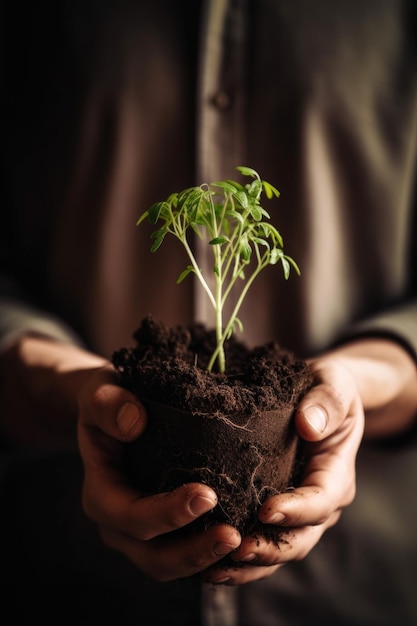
x,y
325,407
311,420
106,405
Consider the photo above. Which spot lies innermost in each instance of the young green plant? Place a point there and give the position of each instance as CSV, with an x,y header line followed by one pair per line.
x,y
242,239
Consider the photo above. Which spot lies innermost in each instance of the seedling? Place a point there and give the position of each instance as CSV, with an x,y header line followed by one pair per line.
x,y
238,230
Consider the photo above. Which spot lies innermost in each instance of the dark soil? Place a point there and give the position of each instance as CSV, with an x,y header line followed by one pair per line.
x,y
233,432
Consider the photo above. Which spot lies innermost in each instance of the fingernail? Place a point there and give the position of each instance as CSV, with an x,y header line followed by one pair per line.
x,y
316,418
222,580
127,417
220,549
248,557
275,518
200,504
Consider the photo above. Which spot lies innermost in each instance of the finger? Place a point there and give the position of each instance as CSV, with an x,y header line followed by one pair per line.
x,y
294,544
328,482
169,557
307,506
112,503
104,404
324,408
318,496
238,575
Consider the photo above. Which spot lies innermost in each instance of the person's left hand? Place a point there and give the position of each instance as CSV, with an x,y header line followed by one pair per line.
x,y
372,375
330,420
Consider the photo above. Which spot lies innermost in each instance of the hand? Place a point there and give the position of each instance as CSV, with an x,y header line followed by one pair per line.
x,y
140,527
330,420
376,375
49,391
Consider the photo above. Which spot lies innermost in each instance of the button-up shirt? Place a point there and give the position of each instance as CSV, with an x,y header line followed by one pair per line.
x,y
117,104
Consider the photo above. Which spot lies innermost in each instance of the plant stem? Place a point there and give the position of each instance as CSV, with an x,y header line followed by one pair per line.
x,y
237,227
218,261
220,340
198,272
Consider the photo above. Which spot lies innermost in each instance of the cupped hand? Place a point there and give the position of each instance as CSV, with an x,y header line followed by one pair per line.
x,y
376,375
142,528
330,420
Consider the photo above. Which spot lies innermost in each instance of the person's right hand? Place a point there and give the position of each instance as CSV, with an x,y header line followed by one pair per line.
x,y
51,390
140,527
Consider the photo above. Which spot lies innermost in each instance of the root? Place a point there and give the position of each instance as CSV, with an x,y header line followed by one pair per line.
x,y
256,491
232,424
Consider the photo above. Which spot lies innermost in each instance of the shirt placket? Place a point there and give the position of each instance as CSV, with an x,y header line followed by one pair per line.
x,y
220,148
221,111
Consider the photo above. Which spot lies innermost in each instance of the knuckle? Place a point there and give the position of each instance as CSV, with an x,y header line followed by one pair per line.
x,y
322,519
99,398
328,386
302,553
334,398
143,534
163,570
86,504
105,536
161,575
298,518
350,495
335,518
177,519
198,563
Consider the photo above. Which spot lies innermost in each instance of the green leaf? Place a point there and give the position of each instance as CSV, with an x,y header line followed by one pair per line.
x,y
247,171
286,267
274,256
235,184
270,190
242,198
226,186
237,216
155,211
218,240
294,264
271,232
255,189
238,323
265,213
197,230
261,242
188,270
245,251
235,324
142,218
186,197
173,199
159,237
256,214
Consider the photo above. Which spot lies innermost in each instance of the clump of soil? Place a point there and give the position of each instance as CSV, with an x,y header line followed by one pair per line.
x,y
231,431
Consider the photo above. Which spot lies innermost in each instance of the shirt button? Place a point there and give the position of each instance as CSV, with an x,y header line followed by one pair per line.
x,y
222,100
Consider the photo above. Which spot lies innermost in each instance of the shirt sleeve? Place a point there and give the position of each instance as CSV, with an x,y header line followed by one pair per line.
x,y
18,316
398,323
